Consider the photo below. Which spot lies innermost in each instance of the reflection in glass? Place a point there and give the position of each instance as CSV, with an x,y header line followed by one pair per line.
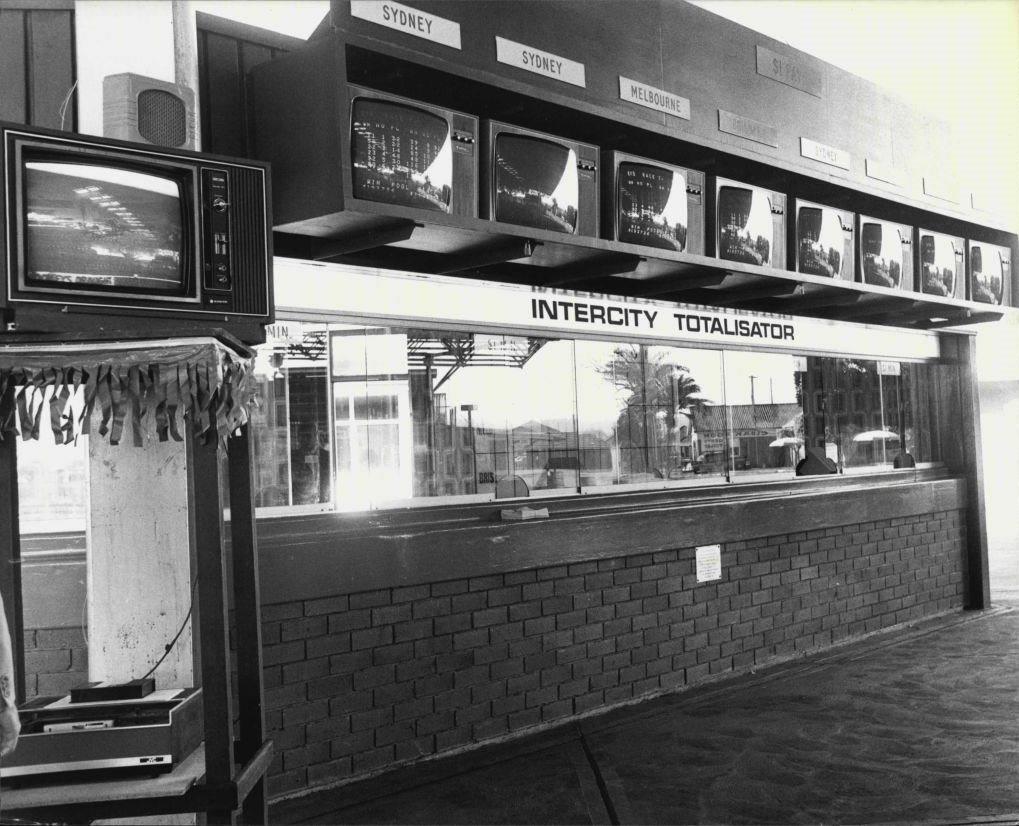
x,y
763,418
744,225
103,227
881,248
637,408
290,425
820,241
989,269
536,183
652,206
937,263
401,155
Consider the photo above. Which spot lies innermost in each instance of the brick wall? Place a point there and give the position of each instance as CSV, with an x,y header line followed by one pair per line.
x,y
56,659
359,682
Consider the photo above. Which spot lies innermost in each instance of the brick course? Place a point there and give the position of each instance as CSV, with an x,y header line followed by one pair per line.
x,y
375,679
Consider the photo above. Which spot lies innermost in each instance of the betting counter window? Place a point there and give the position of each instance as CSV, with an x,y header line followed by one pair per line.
x,y
355,417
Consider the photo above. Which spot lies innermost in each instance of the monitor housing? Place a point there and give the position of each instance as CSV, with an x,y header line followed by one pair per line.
x,y
412,154
750,224
990,273
539,180
155,239
821,240
940,264
885,253
652,204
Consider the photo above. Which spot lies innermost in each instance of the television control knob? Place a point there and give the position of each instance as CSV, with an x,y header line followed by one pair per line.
x,y
221,268
219,204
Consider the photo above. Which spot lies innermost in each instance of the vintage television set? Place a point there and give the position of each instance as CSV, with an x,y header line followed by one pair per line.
x,y
538,180
652,204
990,273
411,154
750,224
940,264
885,253
157,240
822,239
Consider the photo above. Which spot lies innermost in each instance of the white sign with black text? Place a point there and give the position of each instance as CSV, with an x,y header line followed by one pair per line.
x,y
367,294
539,62
709,563
408,20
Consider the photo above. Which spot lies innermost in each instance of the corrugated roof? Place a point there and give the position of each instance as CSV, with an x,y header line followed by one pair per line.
x,y
713,417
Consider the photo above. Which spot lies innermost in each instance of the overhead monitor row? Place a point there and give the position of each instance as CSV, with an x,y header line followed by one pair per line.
x,y
413,154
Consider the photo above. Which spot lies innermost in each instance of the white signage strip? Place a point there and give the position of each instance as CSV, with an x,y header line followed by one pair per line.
x,y
408,20
825,154
539,62
358,293
709,563
633,91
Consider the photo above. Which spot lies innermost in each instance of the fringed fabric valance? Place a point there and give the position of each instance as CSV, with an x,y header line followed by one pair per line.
x,y
129,384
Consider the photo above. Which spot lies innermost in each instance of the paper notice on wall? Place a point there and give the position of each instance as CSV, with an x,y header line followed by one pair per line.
x,y
709,563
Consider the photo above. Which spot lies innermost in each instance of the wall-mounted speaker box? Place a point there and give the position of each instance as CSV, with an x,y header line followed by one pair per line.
x,y
147,110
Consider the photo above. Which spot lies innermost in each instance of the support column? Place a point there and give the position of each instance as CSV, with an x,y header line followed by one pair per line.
x,y
139,561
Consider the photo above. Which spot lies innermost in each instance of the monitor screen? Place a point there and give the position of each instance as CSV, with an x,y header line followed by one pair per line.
x,y
652,206
98,227
990,268
937,264
401,155
744,225
881,250
820,240
536,183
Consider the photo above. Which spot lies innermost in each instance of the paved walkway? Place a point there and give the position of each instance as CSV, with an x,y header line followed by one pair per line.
x,y
920,725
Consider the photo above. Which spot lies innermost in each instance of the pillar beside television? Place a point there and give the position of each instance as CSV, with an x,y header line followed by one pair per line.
x,y
107,237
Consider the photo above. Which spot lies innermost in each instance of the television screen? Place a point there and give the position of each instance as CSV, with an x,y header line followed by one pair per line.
x,y
990,270
744,225
820,241
102,227
937,264
881,248
536,183
652,204
401,155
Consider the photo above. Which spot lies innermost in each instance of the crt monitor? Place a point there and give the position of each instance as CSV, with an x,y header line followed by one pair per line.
x,y
824,241
749,224
886,253
163,240
941,259
412,154
990,273
653,204
542,181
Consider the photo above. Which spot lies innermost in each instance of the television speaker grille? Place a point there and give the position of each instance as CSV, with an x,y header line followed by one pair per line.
x,y
162,118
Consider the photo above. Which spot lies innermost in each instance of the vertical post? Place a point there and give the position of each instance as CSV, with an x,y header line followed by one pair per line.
x,y
243,544
10,552
213,604
961,450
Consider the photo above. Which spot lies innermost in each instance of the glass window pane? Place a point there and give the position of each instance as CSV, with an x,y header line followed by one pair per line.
x,y
492,415
765,396
644,414
869,424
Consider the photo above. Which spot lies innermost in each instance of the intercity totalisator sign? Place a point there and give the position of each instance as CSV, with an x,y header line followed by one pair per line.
x,y
365,295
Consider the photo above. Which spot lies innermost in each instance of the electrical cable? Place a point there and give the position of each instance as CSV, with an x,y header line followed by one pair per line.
x,y
169,646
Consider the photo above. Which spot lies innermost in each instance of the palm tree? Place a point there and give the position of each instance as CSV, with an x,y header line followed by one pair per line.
x,y
657,391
